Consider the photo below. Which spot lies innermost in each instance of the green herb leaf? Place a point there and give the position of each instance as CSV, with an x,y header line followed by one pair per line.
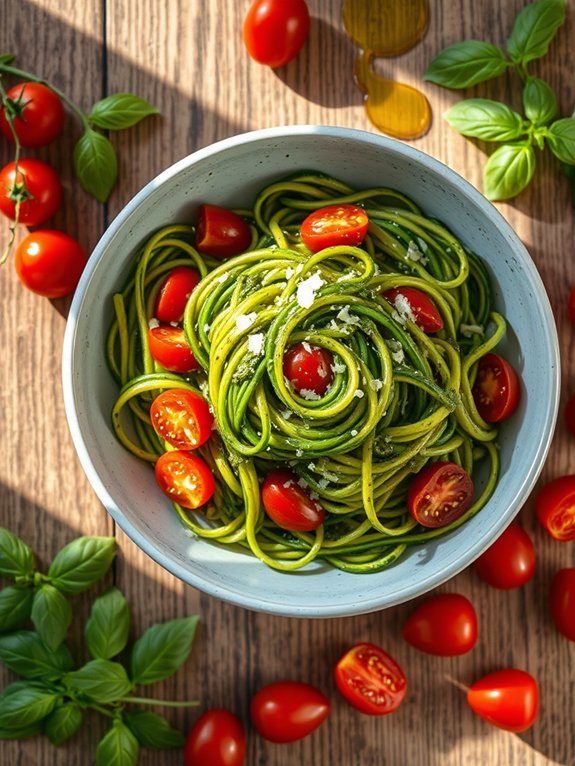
x,y
22,705
467,63
108,625
16,558
561,139
51,615
15,606
7,58
118,747
161,650
153,730
63,722
96,164
81,563
534,28
99,681
24,653
485,119
508,171
539,101
25,731
120,110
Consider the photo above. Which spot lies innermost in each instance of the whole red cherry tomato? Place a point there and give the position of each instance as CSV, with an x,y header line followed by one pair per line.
x,y
439,494
562,602
288,504
444,625
36,185
571,305
334,225
286,711
182,418
370,680
424,310
497,389
221,232
50,263
216,739
308,368
507,698
174,292
170,348
570,414
38,114
510,561
555,507
275,31
185,478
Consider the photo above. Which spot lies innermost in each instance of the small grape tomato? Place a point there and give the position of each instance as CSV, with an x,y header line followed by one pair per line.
x,y
334,225
288,504
555,507
174,293
370,679
38,114
275,31
444,625
497,389
286,711
508,699
185,478
221,232
170,348
562,602
50,262
35,186
570,414
510,561
182,418
439,494
217,738
424,311
308,368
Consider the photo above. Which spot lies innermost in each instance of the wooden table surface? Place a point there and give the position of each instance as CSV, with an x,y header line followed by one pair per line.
x,y
187,57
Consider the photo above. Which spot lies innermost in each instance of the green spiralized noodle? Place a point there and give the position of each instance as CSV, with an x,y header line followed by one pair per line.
x,y
399,397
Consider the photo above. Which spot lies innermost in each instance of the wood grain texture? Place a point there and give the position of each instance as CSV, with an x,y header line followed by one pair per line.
x,y
187,57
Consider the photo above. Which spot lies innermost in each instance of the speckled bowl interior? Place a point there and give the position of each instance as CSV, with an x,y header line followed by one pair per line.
x,y
231,172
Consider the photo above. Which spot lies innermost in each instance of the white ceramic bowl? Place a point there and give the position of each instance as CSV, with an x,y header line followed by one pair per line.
x,y
230,173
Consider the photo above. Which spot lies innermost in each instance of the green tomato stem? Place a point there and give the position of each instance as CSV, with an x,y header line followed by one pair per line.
x,y
17,150
162,703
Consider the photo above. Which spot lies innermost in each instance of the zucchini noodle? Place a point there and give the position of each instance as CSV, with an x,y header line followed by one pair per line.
x,y
399,398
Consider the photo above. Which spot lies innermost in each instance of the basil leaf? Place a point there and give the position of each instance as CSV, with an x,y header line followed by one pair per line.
x,y
561,139
7,58
63,722
24,706
15,606
108,625
24,653
485,119
96,164
16,558
161,650
120,110
508,171
22,733
100,681
118,747
534,28
51,615
539,101
467,63
153,730
81,563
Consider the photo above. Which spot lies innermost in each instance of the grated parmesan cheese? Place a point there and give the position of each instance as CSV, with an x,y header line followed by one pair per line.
x,y
256,343
359,393
307,393
244,321
307,289
347,318
153,323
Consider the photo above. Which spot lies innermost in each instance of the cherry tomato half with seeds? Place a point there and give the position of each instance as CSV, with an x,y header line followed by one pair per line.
x,y
185,478
571,305
286,711
170,348
50,262
288,504
510,561
174,293
444,625
275,31
38,114
570,415
555,507
217,738
370,680
420,305
334,225
221,232
182,418
36,185
497,389
508,699
308,368
439,494
562,602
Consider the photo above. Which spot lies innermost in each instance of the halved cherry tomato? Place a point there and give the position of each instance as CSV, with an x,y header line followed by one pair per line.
x,y
570,414
221,232
507,698
182,418
555,507
185,478
510,561
424,310
50,262
174,293
38,114
370,679
571,305
444,625
497,388
286,711
275,31
288,504
170,348
334,225
562,602
217,738
439,494
36,185
308,368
